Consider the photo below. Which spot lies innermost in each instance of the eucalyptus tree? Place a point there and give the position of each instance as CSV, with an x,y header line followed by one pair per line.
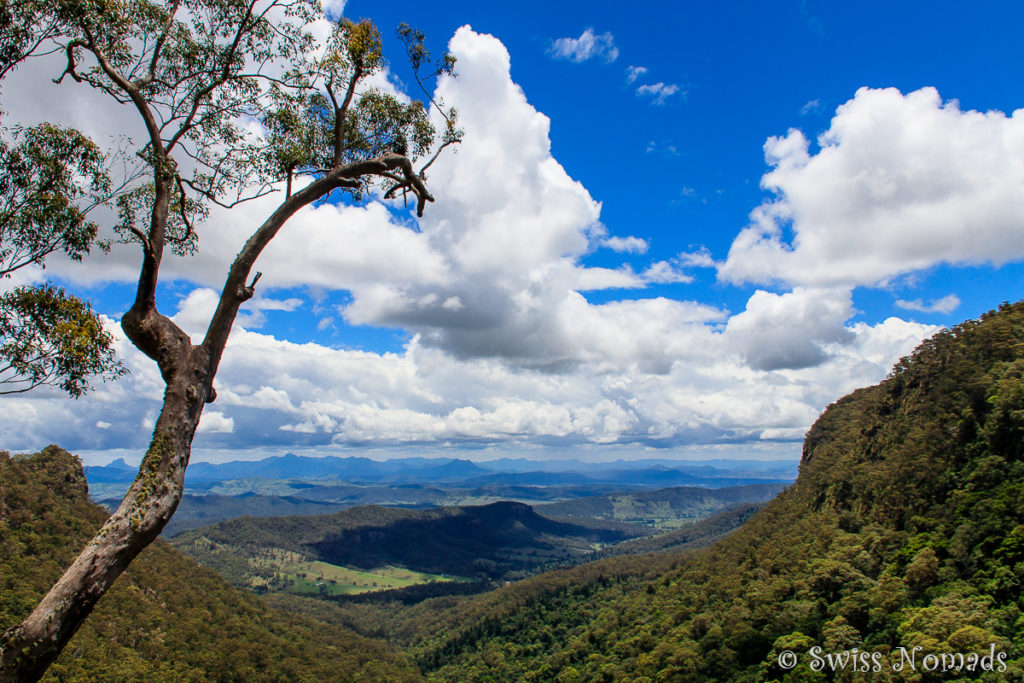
x,y
198,74
25,28
52,178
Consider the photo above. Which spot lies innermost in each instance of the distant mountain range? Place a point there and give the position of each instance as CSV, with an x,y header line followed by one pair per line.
x,y
302,485
291,466
660,508
507,471
649,508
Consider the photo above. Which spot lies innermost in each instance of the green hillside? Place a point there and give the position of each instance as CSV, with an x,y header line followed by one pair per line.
x,y
666,508
166,618
496,541
905,529
399,615
693,535
195,511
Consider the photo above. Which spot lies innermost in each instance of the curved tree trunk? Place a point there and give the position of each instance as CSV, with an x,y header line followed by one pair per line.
x,y
27,649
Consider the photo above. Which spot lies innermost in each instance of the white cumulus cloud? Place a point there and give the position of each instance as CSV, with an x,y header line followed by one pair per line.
x,y
634,72
334,8
791,330
215,422
899,183
663,272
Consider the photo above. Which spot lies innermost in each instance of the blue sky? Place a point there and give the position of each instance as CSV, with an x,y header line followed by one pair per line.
x,y
677,231
686,174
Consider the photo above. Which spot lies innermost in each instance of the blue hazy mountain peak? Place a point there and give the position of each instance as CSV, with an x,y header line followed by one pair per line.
x,y
503,472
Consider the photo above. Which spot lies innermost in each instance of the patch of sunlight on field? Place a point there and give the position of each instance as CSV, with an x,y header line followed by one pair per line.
x,y
282,570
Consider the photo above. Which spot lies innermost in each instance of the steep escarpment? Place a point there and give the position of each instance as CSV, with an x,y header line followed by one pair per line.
x,y
904,534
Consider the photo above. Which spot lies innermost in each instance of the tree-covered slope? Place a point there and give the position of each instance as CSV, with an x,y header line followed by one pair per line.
x,y
697,534
196,511
500,540
166,618
661,508
905,529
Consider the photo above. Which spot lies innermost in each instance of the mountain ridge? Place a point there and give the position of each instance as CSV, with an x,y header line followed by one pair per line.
x,y
422,469
487,541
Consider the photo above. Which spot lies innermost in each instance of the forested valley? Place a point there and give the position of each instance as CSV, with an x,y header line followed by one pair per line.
x,y
904,529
